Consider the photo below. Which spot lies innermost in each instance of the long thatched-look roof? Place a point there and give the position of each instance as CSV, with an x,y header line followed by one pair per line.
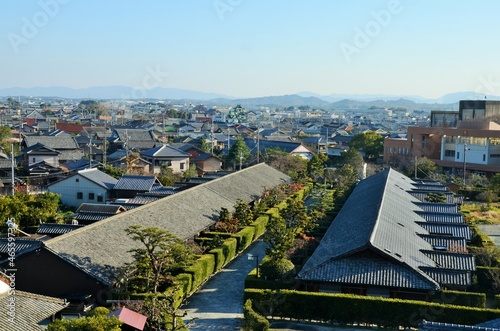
x,y
102,247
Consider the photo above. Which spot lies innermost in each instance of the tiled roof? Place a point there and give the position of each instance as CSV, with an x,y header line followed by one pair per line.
x,y
135,183
31,309
449,277
423,195
57,142
184,214
91,217
265,144
134,135
368,272
99,177
51,228
445,242
381,217
21,245
437,207
441,217
456,261
164,151
98,208
450,229
437,326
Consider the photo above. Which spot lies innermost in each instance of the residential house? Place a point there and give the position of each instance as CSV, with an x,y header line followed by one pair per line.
x,y
89,213
134,139
130,185
385,242
85,186
292,148
66,146
205,162
166,155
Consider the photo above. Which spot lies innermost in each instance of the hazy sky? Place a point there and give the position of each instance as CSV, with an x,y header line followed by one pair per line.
x,y
247,48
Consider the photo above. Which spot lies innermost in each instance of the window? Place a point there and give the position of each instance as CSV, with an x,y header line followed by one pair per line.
x,y
77,180
182,166
424,141
494,155
91,196
484,157
99,198
458,155
79,195
411,141
449,153
34,159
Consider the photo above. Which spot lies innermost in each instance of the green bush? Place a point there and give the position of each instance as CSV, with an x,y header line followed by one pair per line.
x,y
252,320
251,281
497,301
277,270
479,238
459,298
185,281
349,308
488,278
260,225
201,270
244,237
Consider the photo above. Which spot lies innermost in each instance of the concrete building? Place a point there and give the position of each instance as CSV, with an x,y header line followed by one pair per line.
x,y
467,141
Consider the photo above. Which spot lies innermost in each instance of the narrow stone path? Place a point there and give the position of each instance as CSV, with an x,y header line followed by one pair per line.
x,y
218,305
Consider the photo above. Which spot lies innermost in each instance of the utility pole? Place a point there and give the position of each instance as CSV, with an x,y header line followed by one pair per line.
x,y
12,179
241,158
212,137
258,144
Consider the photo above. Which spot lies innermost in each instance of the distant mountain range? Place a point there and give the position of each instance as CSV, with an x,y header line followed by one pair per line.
x,y
345,101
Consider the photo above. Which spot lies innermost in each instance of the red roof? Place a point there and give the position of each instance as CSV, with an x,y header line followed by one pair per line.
x,y
130,317
69,127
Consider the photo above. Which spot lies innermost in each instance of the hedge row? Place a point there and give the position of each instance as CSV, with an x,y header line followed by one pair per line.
x,y
487,277
195,275
480,239
458,298
348,308
252,320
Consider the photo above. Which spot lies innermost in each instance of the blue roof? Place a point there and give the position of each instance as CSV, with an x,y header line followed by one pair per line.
x,y
99,177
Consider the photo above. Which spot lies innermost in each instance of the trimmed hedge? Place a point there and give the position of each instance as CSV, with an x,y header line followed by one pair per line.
x,y
497,301
349,308
245,237
480,239
459,298
201,270
186,282
225,253
251,281
260,225
252,320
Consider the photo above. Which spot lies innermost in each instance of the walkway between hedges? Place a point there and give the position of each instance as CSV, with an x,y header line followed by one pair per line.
x,y
218,304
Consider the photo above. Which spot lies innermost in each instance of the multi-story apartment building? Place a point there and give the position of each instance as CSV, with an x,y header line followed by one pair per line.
x,y
463,141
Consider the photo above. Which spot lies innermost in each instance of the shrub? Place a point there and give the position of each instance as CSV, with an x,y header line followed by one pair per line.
x,y
277,270
201,270
252,320
260,225
244,237
459,298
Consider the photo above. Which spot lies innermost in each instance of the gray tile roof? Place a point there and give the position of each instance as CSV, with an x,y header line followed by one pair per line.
x,y
31,309
165,151
21,245
449,277
98,208
438,326
135,183
422,195
56,143
454,230
134,135
456,261
441,217
445,242
104,245
99,177
369,272
380,217
437,207
52,228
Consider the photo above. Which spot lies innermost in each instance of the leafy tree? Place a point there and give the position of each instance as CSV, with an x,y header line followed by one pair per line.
x,y
243,212
316,166
114,172
205,146
425,168
190,173
436,197
97,320
239,152
351,157
279,238
370,142
226,223
167,176
495,183
160,254
293,166
346,176
30,209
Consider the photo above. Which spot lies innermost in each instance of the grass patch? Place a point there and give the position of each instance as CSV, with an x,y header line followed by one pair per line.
x,y
481,213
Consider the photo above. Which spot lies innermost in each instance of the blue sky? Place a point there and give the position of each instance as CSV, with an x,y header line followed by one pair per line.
x,y
249,48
